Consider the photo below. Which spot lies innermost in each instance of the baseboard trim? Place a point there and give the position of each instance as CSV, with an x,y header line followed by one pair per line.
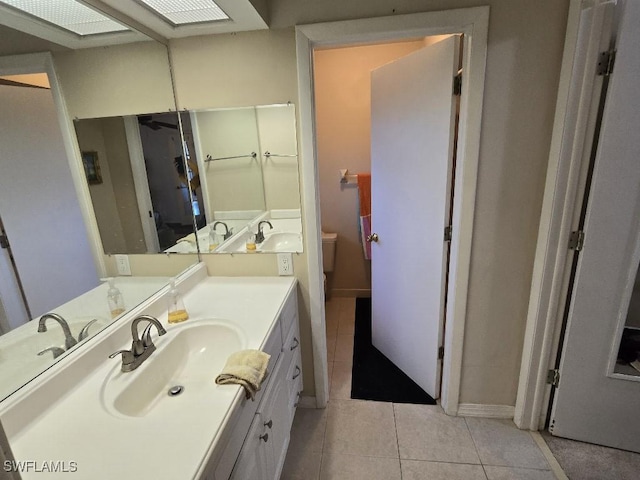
x,y
486,411
351,292
307,402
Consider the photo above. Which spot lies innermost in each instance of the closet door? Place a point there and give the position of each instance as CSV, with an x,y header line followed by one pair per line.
x,y
593,402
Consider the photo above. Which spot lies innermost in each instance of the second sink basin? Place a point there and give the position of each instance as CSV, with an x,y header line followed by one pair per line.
x,y
189,356
281,242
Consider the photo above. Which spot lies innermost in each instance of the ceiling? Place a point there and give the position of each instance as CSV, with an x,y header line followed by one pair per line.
x,y
21,33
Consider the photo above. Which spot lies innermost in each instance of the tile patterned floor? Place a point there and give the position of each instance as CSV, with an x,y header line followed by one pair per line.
x,y
357,439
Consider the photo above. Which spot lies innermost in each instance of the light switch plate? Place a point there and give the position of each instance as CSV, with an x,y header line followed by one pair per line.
x,y
122,264
285,264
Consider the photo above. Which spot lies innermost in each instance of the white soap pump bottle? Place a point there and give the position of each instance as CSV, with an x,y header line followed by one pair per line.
x,y
115,299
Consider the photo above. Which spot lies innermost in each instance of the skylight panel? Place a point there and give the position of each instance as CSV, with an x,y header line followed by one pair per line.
x,y
184,12
68,14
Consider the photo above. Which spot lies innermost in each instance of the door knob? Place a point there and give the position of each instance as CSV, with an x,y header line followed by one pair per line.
x,y
372,238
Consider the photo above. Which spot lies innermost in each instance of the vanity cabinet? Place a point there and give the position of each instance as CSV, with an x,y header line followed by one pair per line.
x,y
257,445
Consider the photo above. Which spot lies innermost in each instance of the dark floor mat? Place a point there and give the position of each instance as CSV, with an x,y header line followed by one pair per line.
x,y
374,376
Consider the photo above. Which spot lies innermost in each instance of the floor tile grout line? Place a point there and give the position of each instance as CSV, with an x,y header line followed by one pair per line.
x,y
450,462
484,470
324,439
395,424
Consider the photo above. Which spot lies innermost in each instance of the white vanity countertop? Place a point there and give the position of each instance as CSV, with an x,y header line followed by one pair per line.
x,y
168,443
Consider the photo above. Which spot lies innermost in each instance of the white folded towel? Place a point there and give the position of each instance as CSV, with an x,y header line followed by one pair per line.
x,y
247,368
191,238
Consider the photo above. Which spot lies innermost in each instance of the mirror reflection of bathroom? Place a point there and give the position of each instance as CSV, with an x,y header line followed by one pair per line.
x,y
142,199
247,188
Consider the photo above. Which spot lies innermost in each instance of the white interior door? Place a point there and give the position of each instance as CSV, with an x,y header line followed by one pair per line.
x,y
592,403
412,130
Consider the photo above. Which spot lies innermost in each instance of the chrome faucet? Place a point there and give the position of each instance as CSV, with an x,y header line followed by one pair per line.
x,y
227,232
140,348
69,341
260,234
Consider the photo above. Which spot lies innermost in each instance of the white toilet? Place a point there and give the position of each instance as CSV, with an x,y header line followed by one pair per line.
x,y
328,255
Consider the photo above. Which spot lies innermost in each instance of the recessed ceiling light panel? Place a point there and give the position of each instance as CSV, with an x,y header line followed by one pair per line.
x,y
68,14
183,12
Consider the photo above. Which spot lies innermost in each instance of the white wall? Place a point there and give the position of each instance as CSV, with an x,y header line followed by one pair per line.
x,y
38,202
118,80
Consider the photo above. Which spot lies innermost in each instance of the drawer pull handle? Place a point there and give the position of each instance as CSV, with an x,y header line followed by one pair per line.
x,y
264,437
297,399
297,374
268,424
296,342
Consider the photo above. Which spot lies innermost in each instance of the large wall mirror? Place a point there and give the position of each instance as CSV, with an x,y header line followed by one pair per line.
x,y
47,261
244,167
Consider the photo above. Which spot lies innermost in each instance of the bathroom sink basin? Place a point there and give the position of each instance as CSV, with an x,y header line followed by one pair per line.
x,y
281,242
190,356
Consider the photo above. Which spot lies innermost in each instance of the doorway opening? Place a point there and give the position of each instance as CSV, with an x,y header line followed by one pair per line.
x,y
412,181
473,24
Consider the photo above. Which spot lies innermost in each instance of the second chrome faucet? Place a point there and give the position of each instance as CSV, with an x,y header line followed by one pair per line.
x,y
141,348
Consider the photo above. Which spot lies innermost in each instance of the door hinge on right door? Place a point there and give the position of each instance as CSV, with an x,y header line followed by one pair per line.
x,y
457,84
605,62
553,377
576,240
448,231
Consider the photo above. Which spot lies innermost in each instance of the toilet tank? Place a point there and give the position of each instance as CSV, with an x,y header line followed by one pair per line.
x,y
328,251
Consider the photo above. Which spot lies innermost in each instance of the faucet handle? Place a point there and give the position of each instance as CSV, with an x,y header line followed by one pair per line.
x,y
127,356
56,351
84,333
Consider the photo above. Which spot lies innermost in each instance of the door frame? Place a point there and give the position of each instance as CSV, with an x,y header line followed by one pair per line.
x,y
141,183
561,201
474,24
43,63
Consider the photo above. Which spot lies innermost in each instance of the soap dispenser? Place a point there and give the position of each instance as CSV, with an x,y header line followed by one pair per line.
x,y
250,244
214,238
115,299
177,311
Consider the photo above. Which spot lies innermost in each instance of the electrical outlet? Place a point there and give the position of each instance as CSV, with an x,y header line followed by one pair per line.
x,y
122,264
285,264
